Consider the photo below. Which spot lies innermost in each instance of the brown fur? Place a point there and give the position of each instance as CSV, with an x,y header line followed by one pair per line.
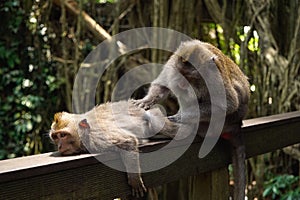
x,y
192,55
110,127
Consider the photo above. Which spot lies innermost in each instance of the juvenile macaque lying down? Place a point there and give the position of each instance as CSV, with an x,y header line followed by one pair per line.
x,y
111,127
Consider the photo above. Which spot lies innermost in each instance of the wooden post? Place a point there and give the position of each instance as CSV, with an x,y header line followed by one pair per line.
x,y
213,185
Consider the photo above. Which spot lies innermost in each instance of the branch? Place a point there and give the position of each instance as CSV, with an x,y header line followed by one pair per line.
x,y
62,60
215,10
72,7
121,16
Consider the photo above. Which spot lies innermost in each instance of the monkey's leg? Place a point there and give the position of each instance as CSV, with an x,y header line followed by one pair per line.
x,y
175,118
132,165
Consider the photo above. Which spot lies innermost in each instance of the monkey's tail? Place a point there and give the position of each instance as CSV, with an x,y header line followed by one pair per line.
x,y
239,168
239,173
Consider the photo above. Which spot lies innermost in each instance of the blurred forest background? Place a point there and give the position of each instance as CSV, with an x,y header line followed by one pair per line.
x,y
43,42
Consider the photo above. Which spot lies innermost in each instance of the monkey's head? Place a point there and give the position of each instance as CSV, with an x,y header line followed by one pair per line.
x,y
190,56
191,59
65,133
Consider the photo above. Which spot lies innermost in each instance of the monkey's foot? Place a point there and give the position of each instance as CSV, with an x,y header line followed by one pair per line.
x,y
136,182
175,118
142,103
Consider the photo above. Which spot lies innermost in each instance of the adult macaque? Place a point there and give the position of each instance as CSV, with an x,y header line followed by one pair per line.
x,y
110,127
189,59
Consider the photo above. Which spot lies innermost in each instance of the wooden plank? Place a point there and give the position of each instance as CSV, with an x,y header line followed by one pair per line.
x,y
290,117
266,134
84,177
97,180
88,182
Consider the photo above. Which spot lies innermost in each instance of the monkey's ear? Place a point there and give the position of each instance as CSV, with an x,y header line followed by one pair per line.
x,y
214,58
84,124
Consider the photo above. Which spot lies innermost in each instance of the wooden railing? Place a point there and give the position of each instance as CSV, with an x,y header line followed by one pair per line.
x,y
50,176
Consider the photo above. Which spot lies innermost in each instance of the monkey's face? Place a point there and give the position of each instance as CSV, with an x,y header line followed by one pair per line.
x,y
186,68
187,63
64,134
190,57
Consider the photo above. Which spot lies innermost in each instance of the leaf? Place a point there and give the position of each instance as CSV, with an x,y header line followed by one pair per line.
x,y
267,191
275,190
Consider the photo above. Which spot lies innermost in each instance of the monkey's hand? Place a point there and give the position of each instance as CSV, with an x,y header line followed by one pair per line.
x,y
144,103
136,182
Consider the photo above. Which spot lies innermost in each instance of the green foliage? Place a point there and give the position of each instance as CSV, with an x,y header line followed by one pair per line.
x,y
26,78
283,187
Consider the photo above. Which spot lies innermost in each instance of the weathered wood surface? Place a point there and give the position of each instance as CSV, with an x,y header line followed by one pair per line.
x,y
49,176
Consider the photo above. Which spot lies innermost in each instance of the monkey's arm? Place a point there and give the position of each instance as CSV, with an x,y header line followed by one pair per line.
x,y
156,93
130,156
118,140
132,164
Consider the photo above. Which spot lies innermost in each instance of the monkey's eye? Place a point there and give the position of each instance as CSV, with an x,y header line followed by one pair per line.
x,y
54,137
183,60
62,135
186,62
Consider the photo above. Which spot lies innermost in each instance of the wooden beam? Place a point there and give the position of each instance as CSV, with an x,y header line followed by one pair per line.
x,y
266,134
53,177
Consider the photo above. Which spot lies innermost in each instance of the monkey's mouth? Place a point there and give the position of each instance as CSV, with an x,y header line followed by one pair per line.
x,y
66,152
70,152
